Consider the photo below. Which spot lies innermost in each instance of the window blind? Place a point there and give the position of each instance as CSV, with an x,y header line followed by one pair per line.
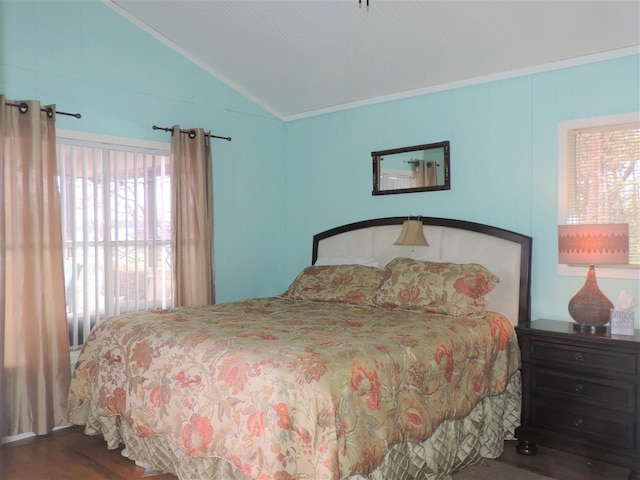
x,y
604,178
116,218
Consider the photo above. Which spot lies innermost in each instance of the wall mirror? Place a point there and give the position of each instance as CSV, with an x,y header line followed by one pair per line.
x,y
421,168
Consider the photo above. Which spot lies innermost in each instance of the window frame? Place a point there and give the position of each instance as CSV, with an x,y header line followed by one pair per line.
x,y
78,136
605,271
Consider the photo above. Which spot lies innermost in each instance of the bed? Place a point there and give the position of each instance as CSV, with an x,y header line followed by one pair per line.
x,y
379,361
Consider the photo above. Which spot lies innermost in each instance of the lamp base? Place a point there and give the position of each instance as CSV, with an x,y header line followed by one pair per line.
x,y
589,329
589,307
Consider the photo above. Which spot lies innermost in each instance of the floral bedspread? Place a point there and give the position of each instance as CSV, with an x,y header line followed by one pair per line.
x,y
287,389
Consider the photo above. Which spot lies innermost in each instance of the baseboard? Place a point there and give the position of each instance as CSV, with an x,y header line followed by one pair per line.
x,y
24,436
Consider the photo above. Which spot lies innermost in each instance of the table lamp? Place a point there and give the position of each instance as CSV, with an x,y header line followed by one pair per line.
x,y
591,244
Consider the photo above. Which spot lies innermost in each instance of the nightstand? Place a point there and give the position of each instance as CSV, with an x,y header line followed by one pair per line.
x,y
580,393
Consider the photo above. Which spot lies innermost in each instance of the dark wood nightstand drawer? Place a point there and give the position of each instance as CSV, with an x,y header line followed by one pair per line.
x,y
608,394
580,357
607,429
580,392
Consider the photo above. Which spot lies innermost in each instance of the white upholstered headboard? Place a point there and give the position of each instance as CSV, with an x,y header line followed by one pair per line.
x,y
507,254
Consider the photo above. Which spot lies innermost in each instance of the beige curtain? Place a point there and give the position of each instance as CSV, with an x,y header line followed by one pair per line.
x,y
426,174
192,217
35,370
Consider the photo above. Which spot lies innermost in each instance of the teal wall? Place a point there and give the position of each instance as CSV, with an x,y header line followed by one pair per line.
x,y
597,89
85,58
504,162
276,183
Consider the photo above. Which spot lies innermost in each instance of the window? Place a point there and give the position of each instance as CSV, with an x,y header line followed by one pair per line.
x,y
397,179
599,177
116,216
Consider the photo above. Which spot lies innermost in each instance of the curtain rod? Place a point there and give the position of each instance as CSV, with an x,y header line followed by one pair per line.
x,y
191,133
24,108
415,163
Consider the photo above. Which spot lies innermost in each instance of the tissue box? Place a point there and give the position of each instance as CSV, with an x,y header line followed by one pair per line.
x,y
622,322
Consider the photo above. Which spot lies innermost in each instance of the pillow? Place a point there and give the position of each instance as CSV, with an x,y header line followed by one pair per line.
x,y
354,284
347,260
446,288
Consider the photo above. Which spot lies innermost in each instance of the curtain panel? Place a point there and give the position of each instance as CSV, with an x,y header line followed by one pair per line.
x,y
192,217
36,370
426,174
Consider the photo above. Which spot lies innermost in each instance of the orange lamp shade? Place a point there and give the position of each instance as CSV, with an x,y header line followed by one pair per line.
x,y
593,244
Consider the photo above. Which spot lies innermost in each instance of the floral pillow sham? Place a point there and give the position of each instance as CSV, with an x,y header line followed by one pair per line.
x,y
444,288
353,284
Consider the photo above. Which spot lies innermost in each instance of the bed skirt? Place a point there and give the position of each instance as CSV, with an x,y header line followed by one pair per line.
x,y
454,445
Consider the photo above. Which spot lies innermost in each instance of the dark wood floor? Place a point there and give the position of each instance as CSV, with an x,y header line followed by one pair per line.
x,y
562,466
70,455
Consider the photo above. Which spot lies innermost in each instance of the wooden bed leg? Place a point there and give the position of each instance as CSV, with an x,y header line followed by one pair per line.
x,y
525,447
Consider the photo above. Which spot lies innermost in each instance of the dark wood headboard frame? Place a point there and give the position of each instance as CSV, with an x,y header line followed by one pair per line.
x,y
524,310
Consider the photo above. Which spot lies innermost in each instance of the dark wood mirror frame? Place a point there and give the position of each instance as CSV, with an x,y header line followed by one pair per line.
x,y
430,161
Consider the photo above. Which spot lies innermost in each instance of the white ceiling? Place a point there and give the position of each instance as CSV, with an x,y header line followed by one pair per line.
x,y
297,58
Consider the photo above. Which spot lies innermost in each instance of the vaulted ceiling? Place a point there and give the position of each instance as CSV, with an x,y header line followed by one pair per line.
x,y
297,58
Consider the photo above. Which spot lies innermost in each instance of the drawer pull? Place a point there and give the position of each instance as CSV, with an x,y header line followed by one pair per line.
x,y
579,357
578,422
579,388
